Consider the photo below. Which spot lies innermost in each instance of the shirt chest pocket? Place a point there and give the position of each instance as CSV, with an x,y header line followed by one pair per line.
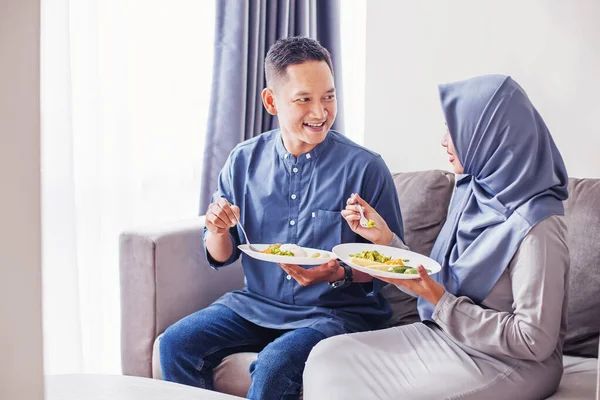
x,y
326,229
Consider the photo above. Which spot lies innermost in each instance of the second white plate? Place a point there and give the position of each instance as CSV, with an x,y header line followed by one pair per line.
x,y
343,252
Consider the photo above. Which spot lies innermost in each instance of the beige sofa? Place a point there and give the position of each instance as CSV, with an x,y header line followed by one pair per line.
x,y
164,277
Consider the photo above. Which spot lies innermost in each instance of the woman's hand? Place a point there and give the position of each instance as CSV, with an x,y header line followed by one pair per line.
x,y
328,272
378,234
425,287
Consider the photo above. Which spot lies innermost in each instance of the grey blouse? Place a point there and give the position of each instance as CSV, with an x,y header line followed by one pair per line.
x,y
524,316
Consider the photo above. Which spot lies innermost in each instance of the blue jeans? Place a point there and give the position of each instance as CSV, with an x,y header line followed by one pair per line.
x,y
192,347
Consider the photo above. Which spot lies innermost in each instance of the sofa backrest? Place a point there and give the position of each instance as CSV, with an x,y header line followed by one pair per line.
x,y
424,200
582,212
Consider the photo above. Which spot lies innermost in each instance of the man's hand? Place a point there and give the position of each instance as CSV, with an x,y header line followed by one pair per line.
x,y
329,272
220,217
425,287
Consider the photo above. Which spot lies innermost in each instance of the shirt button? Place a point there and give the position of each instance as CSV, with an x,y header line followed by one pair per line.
x,y
292,222
286,155
295,170
288,277
308,156
293,197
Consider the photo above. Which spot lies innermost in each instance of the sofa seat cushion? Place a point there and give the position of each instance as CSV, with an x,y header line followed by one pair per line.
x,y
232,376
580,377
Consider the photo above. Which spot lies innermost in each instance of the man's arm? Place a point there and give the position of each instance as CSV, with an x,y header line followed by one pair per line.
x,y
219,219
220,235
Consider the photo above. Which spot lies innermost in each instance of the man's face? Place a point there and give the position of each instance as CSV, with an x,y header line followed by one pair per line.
x,y
305,103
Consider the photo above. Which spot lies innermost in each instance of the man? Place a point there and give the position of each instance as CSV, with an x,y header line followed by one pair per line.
x,y
286,186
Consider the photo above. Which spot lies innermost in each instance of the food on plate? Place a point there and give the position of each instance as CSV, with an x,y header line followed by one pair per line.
x,y
404,270
363,262
316,254
291,250
376,260
296,250
372,255
275,249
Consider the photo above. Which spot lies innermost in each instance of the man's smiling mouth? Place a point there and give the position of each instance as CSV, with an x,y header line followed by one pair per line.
x,y
315,125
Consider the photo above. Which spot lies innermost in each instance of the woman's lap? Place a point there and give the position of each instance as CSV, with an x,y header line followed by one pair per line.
x,y
415,362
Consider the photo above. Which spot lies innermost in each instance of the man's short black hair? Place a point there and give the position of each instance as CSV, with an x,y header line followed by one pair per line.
x,y
291,51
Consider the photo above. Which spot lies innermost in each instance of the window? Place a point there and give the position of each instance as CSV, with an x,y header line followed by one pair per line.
x,y
125,95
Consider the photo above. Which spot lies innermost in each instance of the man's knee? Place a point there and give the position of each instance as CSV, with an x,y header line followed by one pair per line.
x,y
179,344
189,335
272,365
172,344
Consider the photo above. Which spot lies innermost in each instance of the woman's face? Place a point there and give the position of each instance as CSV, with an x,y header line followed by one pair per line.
x,y
453,158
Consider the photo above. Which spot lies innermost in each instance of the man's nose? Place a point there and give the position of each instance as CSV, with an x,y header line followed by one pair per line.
x,y
319,111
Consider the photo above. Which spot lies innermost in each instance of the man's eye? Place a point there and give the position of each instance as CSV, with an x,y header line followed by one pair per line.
x,y
330,97
303,100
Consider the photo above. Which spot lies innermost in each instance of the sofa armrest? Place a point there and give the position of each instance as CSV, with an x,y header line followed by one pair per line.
x,y
164,277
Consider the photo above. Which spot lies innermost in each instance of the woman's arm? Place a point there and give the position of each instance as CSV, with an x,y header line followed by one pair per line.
x,y
538,274
398,243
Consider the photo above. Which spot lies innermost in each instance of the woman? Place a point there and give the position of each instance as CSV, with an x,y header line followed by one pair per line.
x,y
493,320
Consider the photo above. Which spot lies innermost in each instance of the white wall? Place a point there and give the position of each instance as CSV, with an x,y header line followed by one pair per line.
x,y
551,47
20,281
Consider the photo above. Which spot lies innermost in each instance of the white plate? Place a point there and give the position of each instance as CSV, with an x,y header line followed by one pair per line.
x,y
343,252
325,256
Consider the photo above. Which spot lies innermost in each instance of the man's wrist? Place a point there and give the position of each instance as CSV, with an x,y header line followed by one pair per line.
x,y
219,247
339,274
345,279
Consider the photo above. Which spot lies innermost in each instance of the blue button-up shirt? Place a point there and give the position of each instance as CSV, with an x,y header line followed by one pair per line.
x,y
284,199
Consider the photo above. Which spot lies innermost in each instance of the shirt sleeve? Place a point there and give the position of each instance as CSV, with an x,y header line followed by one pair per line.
x,y
538,274
225,189
398,243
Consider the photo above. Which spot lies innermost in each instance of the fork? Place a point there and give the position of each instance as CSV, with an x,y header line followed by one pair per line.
x,y
363,221
243,231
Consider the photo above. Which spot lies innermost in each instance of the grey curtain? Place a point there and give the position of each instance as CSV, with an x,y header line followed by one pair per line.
x,y
245,29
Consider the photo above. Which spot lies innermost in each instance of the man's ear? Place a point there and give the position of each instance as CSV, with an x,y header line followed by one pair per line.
x,y
268,98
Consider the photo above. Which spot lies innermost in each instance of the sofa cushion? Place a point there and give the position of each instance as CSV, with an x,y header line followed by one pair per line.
x,y
231,376
424,199
582,212
578,380
156,369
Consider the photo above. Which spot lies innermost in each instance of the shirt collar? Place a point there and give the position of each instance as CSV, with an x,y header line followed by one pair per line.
x,y
311,155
